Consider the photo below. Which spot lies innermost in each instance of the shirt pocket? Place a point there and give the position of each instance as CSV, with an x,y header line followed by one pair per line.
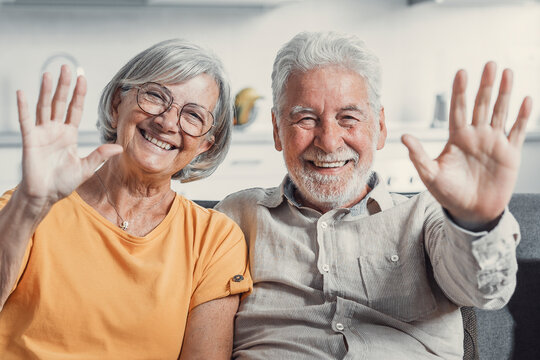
x,y
397,284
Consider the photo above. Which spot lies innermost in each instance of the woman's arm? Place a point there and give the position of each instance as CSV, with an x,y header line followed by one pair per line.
x,y
51,168
209,330
19,219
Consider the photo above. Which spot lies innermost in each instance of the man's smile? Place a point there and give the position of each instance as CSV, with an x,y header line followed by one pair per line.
x,y
328,164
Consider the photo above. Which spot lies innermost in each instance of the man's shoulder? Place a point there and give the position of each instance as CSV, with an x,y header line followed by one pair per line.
x,y
246,199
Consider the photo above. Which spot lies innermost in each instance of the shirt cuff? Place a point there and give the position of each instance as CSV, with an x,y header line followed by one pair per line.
x,y
493,251
476,234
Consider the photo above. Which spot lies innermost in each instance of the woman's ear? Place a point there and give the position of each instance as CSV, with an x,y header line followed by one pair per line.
x,y
205,145
116,100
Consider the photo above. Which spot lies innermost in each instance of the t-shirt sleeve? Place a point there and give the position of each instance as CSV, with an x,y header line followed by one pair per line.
x,y
222,268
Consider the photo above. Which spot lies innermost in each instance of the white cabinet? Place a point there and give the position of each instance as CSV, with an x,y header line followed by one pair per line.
x,y
247,165
253,162
10,165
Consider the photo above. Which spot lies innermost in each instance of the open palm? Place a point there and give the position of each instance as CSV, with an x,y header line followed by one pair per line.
x,y
51,166
475,174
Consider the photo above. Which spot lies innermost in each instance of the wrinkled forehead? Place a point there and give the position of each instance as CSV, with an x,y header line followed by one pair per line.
x,y
331,87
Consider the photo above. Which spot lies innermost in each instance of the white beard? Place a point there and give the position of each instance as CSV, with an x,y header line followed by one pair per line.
x,y
333,191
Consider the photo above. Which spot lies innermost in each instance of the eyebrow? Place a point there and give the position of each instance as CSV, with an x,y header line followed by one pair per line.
x,y
171,94
354,108
300,109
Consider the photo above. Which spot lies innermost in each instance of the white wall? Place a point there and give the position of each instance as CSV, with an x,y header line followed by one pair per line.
x,y
420,46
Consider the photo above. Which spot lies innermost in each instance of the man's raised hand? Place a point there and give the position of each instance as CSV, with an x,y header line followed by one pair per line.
x,y
475,174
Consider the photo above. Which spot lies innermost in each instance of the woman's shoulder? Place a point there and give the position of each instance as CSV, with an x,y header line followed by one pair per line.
x,y
203,213
6,196
209,226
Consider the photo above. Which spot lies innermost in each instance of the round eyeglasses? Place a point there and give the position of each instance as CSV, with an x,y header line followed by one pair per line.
x,y
155,99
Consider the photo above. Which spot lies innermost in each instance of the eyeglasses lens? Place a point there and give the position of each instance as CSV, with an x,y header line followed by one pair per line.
x,y
155,100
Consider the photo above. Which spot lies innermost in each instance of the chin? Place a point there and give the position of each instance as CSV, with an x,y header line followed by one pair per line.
x,y
331,192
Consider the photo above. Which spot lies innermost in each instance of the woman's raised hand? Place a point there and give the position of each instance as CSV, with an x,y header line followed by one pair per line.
x,y
51,167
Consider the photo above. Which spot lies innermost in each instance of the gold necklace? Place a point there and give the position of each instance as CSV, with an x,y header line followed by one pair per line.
x,y
125,224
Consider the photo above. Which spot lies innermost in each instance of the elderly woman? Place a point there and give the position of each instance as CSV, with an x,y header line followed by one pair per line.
x,y
112,263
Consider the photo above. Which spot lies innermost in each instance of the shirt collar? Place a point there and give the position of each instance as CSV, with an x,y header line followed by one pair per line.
x,y
274,196
378,199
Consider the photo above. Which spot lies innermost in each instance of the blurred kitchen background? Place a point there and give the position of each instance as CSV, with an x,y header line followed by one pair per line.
x,y
421,44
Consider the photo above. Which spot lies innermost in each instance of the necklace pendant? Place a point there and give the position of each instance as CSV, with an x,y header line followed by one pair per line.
x,y
124,225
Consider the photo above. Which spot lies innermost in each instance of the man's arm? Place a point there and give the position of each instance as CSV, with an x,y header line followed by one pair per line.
x,y
473,179
209,330
474,176
472,268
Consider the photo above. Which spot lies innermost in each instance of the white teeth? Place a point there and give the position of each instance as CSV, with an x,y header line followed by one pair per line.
x,y
329,164
156,142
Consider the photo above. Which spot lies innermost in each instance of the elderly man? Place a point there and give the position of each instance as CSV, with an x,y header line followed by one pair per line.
x,y
342,268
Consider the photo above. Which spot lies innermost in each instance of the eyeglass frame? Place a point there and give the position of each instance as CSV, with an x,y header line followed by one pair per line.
x,y
138,87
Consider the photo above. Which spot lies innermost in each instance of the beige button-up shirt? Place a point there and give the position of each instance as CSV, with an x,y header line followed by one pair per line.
x,y
382,280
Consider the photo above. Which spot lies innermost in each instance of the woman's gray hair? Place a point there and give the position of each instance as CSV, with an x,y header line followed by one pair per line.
x,y
309,50
172,62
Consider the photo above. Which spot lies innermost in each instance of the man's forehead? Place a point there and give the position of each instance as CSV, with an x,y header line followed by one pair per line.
x,y
324,83
324,72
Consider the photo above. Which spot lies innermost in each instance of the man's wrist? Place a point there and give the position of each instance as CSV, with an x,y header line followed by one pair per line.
x,y
474,225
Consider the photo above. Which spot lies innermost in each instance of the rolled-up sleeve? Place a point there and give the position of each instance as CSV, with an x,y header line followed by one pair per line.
x,y
474,268
222,268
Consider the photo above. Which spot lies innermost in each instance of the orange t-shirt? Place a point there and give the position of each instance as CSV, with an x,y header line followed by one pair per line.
x,y
88,290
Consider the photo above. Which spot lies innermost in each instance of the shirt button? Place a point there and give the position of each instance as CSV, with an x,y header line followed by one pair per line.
x,y
326,268
340,326
237,278
324,225
394,258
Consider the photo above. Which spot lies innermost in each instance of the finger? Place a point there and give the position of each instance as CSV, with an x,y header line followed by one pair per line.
x,y
458,106
483,97
75,109
61,94
25,122
98,156
517,134
43,108
500,111
426,167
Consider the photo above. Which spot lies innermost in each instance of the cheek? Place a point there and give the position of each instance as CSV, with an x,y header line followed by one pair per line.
x,y
126,133
297,141
364,139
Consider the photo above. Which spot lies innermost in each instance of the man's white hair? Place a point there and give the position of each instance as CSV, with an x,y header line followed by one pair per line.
x,y
309,50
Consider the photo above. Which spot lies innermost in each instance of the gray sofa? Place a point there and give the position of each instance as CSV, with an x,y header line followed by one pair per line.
x,y
514,331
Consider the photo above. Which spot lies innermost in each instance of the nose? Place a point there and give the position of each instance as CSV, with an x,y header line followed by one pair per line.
x,y
329,136
169,120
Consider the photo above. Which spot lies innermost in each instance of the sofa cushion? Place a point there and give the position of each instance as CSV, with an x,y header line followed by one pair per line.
x,y
513,332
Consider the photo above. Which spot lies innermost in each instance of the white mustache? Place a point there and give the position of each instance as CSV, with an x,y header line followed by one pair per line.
x,y
315,154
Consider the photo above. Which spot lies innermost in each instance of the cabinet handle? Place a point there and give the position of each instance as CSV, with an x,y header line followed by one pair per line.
x,y
246,162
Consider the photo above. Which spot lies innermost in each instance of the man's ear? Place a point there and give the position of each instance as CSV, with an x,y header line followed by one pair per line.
x,y
116,100
382,130
277,141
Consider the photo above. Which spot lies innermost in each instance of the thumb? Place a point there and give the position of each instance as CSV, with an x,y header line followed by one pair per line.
x,y
98,156
426,167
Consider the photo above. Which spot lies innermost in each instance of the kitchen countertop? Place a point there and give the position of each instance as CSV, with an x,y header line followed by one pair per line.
x,y
91,138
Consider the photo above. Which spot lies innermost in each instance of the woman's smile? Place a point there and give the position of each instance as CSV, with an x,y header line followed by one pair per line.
x,y
159,143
